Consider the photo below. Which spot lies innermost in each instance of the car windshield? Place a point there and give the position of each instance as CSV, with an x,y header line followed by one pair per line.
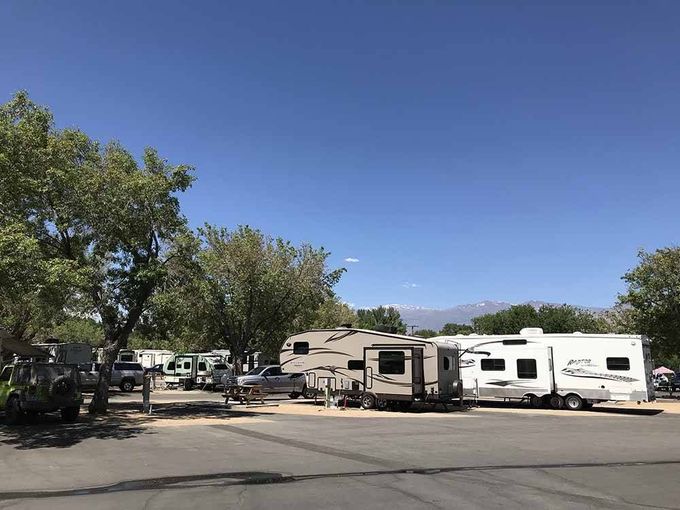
x,y
257,371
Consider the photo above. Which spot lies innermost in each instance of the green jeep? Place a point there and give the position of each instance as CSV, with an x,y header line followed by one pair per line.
x,y
27,389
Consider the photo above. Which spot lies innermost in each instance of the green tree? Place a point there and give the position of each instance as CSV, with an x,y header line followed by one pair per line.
x,y
244,291
105,220
332,313
452,329
569,319
654,297
426,333
506,322
386,319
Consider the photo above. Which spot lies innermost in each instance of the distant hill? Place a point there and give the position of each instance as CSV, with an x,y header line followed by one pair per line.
x,y
432,318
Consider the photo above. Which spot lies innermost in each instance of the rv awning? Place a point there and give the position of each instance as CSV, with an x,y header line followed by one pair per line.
x,y
10,345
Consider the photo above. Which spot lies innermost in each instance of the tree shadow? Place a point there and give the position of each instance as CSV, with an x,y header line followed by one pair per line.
x,y
49,432
598,408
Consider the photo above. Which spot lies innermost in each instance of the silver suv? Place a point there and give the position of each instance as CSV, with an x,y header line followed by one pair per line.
x,y
126,375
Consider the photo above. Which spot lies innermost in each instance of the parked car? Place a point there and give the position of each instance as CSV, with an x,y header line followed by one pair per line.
x,y
156,369
274,380
669,384
125,375
28,389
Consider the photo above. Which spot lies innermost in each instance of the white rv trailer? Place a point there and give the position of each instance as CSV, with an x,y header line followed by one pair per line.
x,y
150,357
70,352
569,370
251,361
189,369
377,368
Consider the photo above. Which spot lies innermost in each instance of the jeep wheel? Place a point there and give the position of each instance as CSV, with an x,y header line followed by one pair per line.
x,y
70,414
13,413
127,386
307,393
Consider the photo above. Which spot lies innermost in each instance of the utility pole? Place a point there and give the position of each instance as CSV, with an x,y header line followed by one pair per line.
x,y
412,326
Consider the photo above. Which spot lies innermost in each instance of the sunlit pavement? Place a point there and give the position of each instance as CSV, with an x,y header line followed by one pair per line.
x,y
205,455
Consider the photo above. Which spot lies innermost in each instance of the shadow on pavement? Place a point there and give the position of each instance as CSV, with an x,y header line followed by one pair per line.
x,y
604,408
50,432
124,421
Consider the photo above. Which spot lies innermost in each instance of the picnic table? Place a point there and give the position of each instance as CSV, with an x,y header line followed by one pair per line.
x,y
244,392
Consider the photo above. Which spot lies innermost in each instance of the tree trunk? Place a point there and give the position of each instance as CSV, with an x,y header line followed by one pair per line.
x,y
100,399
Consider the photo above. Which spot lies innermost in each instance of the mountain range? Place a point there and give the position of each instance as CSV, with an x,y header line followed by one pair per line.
x,y
433,318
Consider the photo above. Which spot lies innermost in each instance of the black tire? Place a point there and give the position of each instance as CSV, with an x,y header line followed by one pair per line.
x,y
307,393
536,402
62,386
368,401
294,395
556,402
13,413
573,402
127,385
70,414
381,405
188,385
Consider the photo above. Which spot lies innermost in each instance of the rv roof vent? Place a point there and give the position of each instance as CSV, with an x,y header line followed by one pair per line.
x,y
531,331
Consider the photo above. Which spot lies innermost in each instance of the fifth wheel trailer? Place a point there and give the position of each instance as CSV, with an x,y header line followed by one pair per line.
x,y
569,370
376,368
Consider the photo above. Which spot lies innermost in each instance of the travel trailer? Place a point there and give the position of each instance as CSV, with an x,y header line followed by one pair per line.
x,y
377,368
70,353
572,370
151,357
191,369
251,361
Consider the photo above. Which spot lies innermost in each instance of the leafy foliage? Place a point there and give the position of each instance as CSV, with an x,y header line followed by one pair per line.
x,y
426,333
654,297
452,329
552,319
386,319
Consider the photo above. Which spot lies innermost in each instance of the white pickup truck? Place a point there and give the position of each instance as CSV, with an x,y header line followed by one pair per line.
x,y
273,380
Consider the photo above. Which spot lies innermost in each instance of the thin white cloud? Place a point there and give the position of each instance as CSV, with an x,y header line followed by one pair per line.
x,y
351,260
408,285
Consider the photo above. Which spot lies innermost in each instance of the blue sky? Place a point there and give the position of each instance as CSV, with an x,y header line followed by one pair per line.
x,y
460,151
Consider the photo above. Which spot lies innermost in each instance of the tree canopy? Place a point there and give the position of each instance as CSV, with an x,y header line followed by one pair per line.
x,y
452,329
551,318
386,319
653,296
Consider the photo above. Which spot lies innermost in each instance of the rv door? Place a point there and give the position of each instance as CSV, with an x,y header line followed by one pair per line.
x,y
389,371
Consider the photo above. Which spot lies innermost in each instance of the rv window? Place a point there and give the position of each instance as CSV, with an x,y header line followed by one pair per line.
x,y
391,362
515,342
202,366
447,363
355,364
618,364
171,366
526,369
301,348
495,365
187,365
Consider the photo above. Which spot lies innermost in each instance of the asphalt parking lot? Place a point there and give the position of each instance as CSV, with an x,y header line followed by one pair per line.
x,y
193,451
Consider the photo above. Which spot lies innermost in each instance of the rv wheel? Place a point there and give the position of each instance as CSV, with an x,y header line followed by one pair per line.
x,y
307,393
573,402
556,402
535,402
293,395
367,401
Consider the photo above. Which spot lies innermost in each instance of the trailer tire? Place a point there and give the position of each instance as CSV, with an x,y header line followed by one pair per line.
x,y
556,402
573,402
294,395
188,385
368,401
307,393
535,401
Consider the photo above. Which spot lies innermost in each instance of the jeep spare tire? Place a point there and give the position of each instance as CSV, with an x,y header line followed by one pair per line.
x,y
62,386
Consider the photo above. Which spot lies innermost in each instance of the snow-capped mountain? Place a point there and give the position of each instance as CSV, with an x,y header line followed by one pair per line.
x,y
432,318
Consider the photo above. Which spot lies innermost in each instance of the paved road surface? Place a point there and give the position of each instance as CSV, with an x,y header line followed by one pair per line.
x,y
228,459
